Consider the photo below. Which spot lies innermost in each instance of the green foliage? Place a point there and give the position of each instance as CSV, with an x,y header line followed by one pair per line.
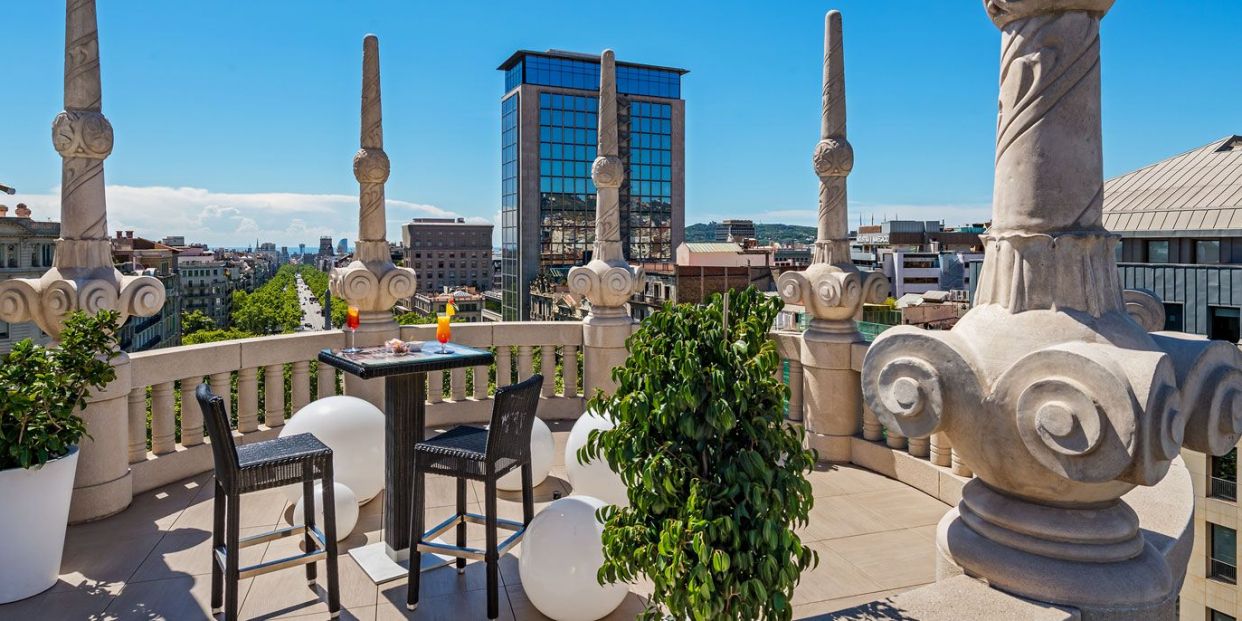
x,y
214,336
716,478
42,388
766,233
196,321
274,307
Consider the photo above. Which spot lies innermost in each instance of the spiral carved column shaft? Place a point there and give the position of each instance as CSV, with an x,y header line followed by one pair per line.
x,y
1050,388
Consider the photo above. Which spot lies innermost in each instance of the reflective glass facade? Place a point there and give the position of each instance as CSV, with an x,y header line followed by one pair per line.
x,y
648,190
509,220
567,140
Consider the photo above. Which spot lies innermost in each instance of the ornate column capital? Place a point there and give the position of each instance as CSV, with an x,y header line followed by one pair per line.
x,y
372,283
82,276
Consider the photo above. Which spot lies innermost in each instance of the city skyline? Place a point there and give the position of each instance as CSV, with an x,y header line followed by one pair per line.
x,y
210,147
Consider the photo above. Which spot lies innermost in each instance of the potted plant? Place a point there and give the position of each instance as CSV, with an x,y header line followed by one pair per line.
x,y
41,391
716,477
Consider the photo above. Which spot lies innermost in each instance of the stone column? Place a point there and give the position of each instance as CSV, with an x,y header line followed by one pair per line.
x,y
608,280
1049,388
372,283
82,276
832,289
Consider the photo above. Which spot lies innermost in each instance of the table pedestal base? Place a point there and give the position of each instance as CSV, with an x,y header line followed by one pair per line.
x,y
381,566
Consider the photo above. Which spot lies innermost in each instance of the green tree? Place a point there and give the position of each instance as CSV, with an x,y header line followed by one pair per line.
x,y
716,478
214,336
195,321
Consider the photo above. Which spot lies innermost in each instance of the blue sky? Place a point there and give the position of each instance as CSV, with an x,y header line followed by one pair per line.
x,y
237,120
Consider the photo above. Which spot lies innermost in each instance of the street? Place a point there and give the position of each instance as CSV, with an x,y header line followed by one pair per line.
x,y
312,313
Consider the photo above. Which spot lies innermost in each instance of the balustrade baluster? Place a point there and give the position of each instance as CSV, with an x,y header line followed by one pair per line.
x,y
504,366
435,386
871,428
958,466
547,366
941,449
895,440
274,395
220,384
457,381
526,362
248,400
300,387
480,382
795,390
163,419
327,381
137,424
191,413
569,370
920,447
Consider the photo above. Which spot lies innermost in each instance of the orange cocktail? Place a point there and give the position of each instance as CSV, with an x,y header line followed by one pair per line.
x,y
352,322
443,332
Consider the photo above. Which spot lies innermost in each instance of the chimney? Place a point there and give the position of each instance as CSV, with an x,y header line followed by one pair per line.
x,y
119,235
22,211
129,234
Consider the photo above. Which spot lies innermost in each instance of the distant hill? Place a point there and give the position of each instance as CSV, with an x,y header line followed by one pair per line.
x,y
781,233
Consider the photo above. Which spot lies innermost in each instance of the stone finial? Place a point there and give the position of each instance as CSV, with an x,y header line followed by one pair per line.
x,y
22,211
83,277
607,281
372,282
832,289
1050,388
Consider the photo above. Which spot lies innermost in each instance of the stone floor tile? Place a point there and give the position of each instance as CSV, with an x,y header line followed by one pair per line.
x,y
833,578
838,516
893,559
185,552
819,610
103,564
455,606
149,513
175,599
68,603
285,593
524,610
903,508
265,508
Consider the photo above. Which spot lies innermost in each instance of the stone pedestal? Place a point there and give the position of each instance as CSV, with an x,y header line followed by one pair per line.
x,y
603,338
102,486
833,397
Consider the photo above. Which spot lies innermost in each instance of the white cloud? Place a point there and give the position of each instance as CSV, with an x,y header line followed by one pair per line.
x,y
235,219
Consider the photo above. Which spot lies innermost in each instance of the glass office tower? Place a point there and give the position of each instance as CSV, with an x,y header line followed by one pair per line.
x,y
548,140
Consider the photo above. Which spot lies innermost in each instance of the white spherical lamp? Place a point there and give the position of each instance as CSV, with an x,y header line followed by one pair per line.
x,y
542,447
593,478
562,551
346,510
354,430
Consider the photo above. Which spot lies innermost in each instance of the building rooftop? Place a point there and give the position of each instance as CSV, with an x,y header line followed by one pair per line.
x,y
520,54
713,247
1199,190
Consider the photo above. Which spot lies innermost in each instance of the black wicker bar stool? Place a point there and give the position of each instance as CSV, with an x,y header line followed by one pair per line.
x,y
474,453
253,467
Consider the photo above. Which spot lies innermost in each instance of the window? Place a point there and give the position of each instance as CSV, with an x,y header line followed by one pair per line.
x,y
1223,565
1158,251
1223,324
1224,481
4,329
1207,251
1174,319
1216,615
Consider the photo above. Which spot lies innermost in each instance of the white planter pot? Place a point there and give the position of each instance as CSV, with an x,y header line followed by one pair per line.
x,y
34,512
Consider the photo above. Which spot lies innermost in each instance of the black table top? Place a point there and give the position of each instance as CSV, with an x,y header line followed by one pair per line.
x,y
372,362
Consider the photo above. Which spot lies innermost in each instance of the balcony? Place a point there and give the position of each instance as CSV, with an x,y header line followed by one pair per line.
x,y
1222,571
874,534
1225,489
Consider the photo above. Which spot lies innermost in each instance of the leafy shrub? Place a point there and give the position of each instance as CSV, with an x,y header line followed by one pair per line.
x,y
42,388
716,478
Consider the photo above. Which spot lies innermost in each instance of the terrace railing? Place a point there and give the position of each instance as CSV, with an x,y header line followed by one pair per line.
x,y
166,440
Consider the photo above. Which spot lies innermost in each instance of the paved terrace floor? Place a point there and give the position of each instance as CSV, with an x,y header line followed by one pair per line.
x,y
874,537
